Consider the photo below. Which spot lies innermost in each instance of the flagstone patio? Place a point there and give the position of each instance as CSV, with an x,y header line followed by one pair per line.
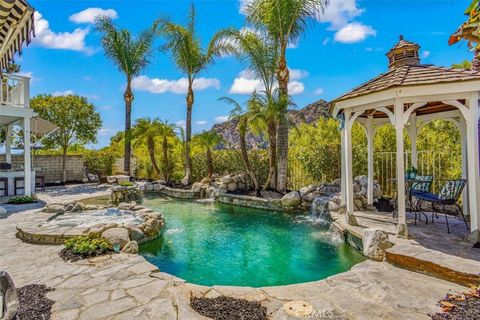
x,y
121,286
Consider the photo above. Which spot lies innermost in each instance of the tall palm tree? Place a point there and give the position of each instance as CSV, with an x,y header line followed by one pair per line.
x,y
131,55
259,52
207,141
184,45
144,132
285,21
243,118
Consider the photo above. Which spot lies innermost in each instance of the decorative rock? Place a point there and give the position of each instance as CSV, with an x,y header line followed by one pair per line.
x,y
232,186
91,207
304,191
131,247
78,207
291,199
135,233
54,208
137,208
95,231
69,207
3,210
375,243
116,236
8,297
124,206
197,186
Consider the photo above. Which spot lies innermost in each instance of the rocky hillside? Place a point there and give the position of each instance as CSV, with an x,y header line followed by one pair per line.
x,y
309,114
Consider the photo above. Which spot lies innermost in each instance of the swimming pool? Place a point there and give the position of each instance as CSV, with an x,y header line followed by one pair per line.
x,y
213,244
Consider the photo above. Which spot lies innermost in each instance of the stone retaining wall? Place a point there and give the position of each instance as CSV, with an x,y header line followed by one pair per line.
x,y
251,202
50,166
172,192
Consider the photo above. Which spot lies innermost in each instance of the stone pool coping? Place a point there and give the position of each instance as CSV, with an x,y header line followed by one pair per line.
x,y
121,286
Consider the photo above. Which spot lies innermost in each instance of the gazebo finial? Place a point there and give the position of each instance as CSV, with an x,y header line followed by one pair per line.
x,y
401,37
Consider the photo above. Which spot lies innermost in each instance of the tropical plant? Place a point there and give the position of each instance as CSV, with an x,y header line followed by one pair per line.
x,y
86,246
76,119
100,162
285,21
259,53
184,45
207,141
470,32
242,117
131,55
166,132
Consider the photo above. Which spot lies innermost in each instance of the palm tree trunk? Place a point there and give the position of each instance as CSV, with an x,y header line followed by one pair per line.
x,y
166,165
188,128
209,163
151,153
282,132
271,182
128,97
246,160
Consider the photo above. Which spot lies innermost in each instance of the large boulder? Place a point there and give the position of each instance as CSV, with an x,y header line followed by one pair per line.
x,y
9,303
78,207
291,199
375,243
116,236
96,230
54,208
135,233
131,247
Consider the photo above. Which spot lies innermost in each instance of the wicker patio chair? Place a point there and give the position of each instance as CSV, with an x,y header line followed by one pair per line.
x,y
448,196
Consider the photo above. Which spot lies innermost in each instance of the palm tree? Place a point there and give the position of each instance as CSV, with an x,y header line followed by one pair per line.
x,y
207,141
242,117
145,131
285,21
185,47
131,55
260,54
166,131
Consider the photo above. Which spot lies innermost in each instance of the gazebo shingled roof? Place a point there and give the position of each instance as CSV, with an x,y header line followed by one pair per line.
x,y
411,75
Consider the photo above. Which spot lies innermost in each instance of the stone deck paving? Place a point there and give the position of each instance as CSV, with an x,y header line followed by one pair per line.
x,y
121,286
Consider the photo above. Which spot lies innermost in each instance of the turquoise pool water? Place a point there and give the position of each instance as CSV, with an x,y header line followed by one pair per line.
x,y
229,245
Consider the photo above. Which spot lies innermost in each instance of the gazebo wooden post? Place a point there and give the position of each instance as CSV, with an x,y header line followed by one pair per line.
x,y
413,134
370,139
462,126
8,145
402,229
347,146
343,199
26,158
473,166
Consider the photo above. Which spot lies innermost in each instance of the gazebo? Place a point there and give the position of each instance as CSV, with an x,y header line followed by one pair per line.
x,y
408,96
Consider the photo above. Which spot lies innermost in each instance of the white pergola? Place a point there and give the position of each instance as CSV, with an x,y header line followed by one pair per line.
x,y
409,96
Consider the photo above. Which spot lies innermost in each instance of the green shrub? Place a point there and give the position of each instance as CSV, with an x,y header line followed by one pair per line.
x,y
86,246
21,200
100,162
126,184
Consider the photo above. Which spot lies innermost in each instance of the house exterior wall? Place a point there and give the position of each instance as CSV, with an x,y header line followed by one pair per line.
x,y
50,166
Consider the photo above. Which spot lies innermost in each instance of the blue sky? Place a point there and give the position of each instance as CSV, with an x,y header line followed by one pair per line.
x,y
344,48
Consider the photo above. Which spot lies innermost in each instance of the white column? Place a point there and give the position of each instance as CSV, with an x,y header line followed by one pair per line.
x,y
463,137
370,138
412,132
342,168
473,167
349,216
402,230
8,145
26,157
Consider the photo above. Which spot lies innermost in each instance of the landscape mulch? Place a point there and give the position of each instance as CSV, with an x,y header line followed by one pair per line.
x,y
226,308
384,205
69,255
461,306
34,305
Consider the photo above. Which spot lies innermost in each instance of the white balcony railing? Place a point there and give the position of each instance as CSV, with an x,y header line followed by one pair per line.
x,y
15,91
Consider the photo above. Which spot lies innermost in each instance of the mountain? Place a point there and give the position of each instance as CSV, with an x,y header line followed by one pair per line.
x,y
309,114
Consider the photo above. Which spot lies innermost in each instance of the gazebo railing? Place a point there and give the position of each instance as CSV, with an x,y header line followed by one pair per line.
x,y
14,90
443,165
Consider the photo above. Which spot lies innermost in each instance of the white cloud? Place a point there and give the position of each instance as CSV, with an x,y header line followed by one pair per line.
x,y
246,83
201,122
354,32
221,119
181,124
339,12
47,38
88,15
319,91
425,54
180,86
243,5
62,93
